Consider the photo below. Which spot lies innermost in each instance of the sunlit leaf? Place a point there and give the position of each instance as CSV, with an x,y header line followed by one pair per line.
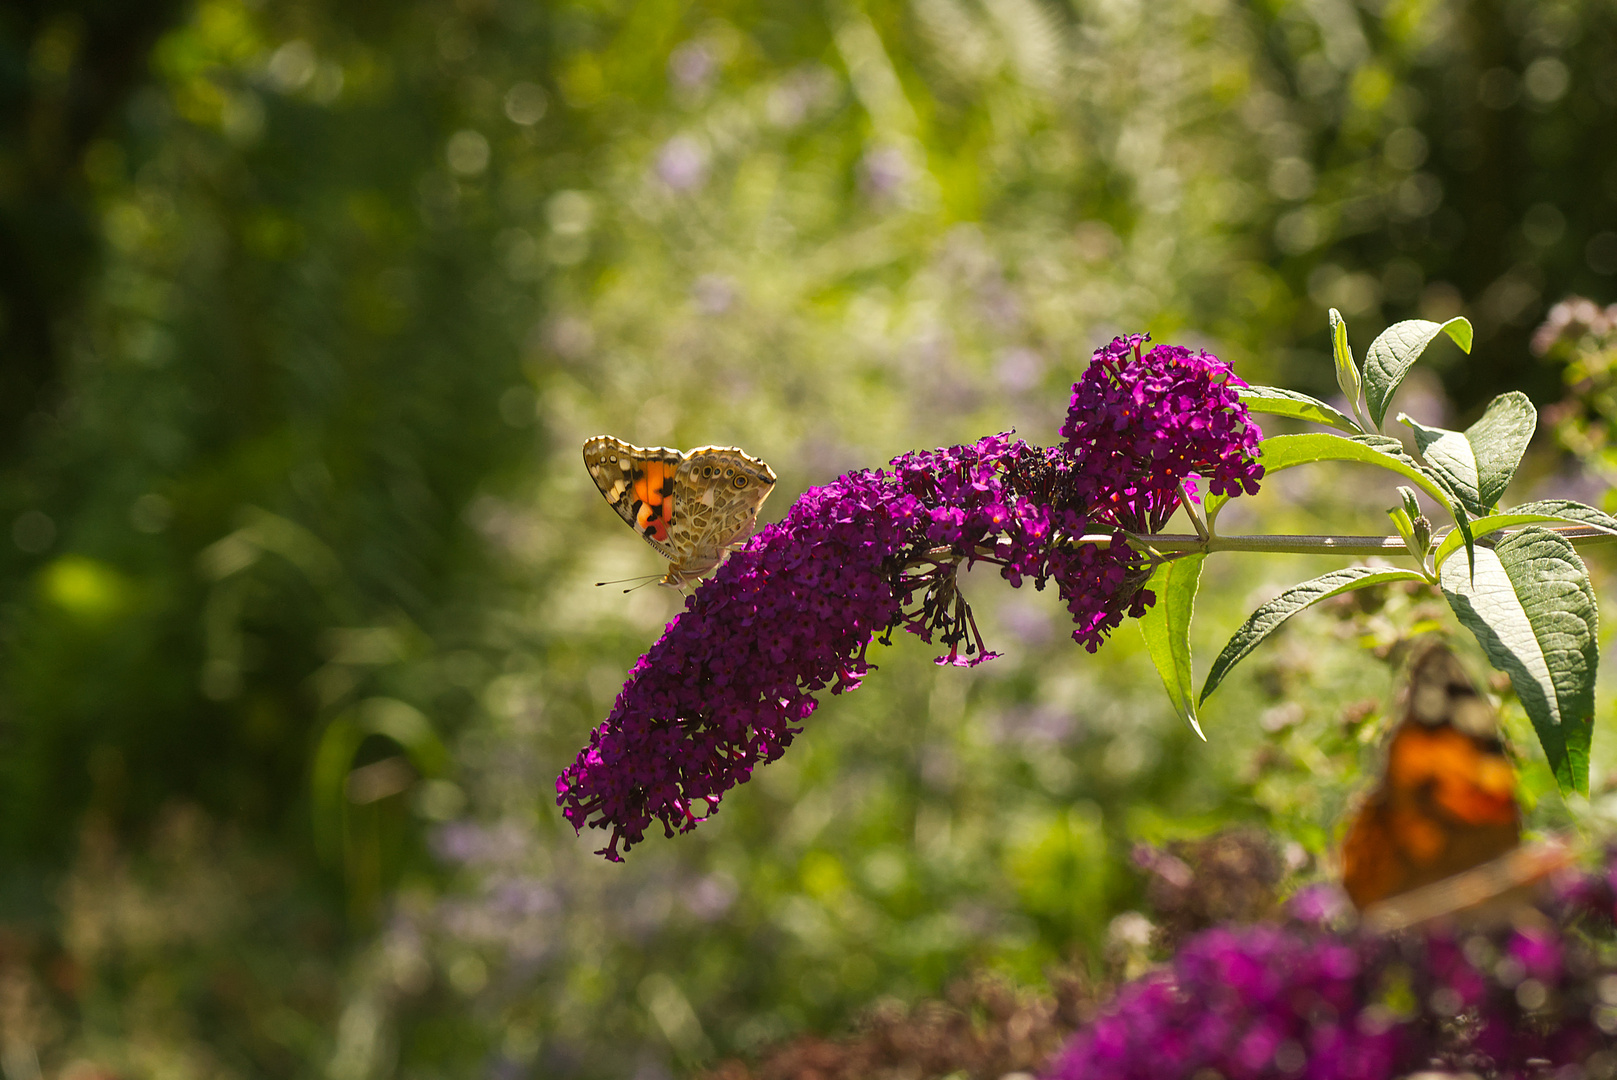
x,y
1449,455
1347,372
1531,607
1531,513
1166,626
1395,350
1479,462
1268,618
1277,402
1499,438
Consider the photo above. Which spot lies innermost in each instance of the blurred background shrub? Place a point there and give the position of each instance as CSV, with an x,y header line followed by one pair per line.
x,y
306,307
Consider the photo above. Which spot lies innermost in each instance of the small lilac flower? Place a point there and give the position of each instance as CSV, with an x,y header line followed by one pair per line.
x,y
692,65
1538,952
1320,905
884,171
682,163
1019,369
714,294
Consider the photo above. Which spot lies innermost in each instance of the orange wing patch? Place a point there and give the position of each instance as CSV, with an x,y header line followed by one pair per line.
x,y
654,491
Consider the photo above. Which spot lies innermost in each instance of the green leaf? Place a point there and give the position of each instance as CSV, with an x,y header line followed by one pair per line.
x,y
1285,451
1279,402
1411,504
1392,354
1531,607
1449,455
1279,452
1267,619
1571,511
1479,463
1411,524
1166,626
334,760
1531,513
1499,438
1347,372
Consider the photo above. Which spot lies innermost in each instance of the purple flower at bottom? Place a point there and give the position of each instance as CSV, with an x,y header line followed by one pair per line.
x,y
1255,1001
1534,995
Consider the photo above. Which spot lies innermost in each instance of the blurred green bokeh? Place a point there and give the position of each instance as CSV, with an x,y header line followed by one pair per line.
x,y
305,309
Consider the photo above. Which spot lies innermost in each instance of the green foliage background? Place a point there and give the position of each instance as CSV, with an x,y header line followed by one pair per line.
x,y
308,307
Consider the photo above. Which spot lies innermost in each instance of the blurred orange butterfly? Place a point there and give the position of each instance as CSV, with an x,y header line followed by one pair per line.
x,y
1441,831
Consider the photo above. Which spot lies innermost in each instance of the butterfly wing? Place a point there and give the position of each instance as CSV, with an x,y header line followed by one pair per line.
x,y
717,493
639,483
1447,802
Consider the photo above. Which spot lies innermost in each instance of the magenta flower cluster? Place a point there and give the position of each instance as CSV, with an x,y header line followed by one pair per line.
x,y
1140,425
1534,997
728,685
1258,1001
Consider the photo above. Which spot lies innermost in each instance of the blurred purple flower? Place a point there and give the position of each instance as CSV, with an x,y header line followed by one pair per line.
x,y
692,65
1019,369
1572,319
471,843
682,163
711,897
884,171
793,612
799,94
713,293
520,896
1528,997
1256,1001
1321,905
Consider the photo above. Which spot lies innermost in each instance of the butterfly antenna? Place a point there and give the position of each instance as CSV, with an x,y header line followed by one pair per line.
x,y
645,580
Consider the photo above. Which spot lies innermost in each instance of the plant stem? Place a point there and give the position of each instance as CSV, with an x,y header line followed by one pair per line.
x,y
1579,535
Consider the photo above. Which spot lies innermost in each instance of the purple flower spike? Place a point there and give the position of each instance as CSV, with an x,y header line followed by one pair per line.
x,y
725,687
794,611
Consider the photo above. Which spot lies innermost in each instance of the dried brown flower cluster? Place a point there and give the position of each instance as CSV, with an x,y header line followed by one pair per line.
x,y
1232,876
987,1028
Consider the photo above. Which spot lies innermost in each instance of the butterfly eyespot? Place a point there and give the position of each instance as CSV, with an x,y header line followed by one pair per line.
x,y
741,481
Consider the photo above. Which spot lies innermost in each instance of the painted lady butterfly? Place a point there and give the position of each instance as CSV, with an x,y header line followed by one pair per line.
x,y
694,507
1439,835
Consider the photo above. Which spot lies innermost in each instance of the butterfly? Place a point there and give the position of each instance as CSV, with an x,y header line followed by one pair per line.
x,y
1440,834
694,507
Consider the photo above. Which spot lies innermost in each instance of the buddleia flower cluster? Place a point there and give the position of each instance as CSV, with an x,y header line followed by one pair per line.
x,y
1535,996
794,612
